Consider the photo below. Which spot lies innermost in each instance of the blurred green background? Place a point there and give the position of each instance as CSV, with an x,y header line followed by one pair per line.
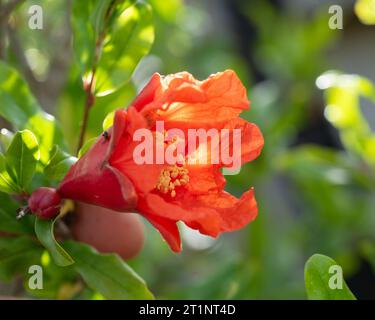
x,y
315,179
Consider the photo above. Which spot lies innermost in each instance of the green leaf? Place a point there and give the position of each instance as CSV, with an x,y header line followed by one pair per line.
x,y
130,37
22,157
320,271
343,93
87,23
107,273
6,182
167,9
48,133
17,255
111,37
44,230
59,164
108,121
104,105
90,21
20,108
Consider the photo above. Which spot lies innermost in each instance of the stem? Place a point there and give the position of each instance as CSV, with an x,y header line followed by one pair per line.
x,y
88,104
90,97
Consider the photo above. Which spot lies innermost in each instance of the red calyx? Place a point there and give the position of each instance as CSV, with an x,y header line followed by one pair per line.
x,y
45,203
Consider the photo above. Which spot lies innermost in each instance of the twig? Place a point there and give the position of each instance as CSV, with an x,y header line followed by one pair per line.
x,y
89,102
89,87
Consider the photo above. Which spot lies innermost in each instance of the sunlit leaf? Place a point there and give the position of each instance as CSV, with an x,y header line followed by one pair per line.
x,y
343,99
20,108
130,38
120,98
320,284
48,132
167,9
90,22
108,121
6,182
22,157
87,23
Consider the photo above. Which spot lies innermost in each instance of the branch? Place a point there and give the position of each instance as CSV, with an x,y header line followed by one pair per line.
x,y
90,98
90,86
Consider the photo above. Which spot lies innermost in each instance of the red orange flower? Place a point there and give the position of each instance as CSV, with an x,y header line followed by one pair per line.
x,y
108,175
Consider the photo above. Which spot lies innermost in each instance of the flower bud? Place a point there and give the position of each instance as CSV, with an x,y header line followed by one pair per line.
x,y
45,203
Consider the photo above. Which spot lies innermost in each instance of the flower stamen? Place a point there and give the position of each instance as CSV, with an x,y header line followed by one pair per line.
x,y
172,177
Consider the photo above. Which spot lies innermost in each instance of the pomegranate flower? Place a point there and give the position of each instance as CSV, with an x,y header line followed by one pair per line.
x,y
110,173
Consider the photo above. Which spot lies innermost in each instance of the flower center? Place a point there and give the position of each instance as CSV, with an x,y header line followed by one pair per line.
x,y
172,177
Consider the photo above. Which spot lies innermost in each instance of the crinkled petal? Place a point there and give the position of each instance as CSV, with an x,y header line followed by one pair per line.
x,y
235,213
210,214
248,148
226,89
186,210
204,178
184,101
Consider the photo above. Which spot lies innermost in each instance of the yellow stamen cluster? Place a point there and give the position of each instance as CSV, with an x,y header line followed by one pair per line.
x,y
172,177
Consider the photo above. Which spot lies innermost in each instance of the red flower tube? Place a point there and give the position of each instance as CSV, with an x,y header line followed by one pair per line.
x,y
110,175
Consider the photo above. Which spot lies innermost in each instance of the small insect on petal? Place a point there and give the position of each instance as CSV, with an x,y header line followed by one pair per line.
x,y
105,135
